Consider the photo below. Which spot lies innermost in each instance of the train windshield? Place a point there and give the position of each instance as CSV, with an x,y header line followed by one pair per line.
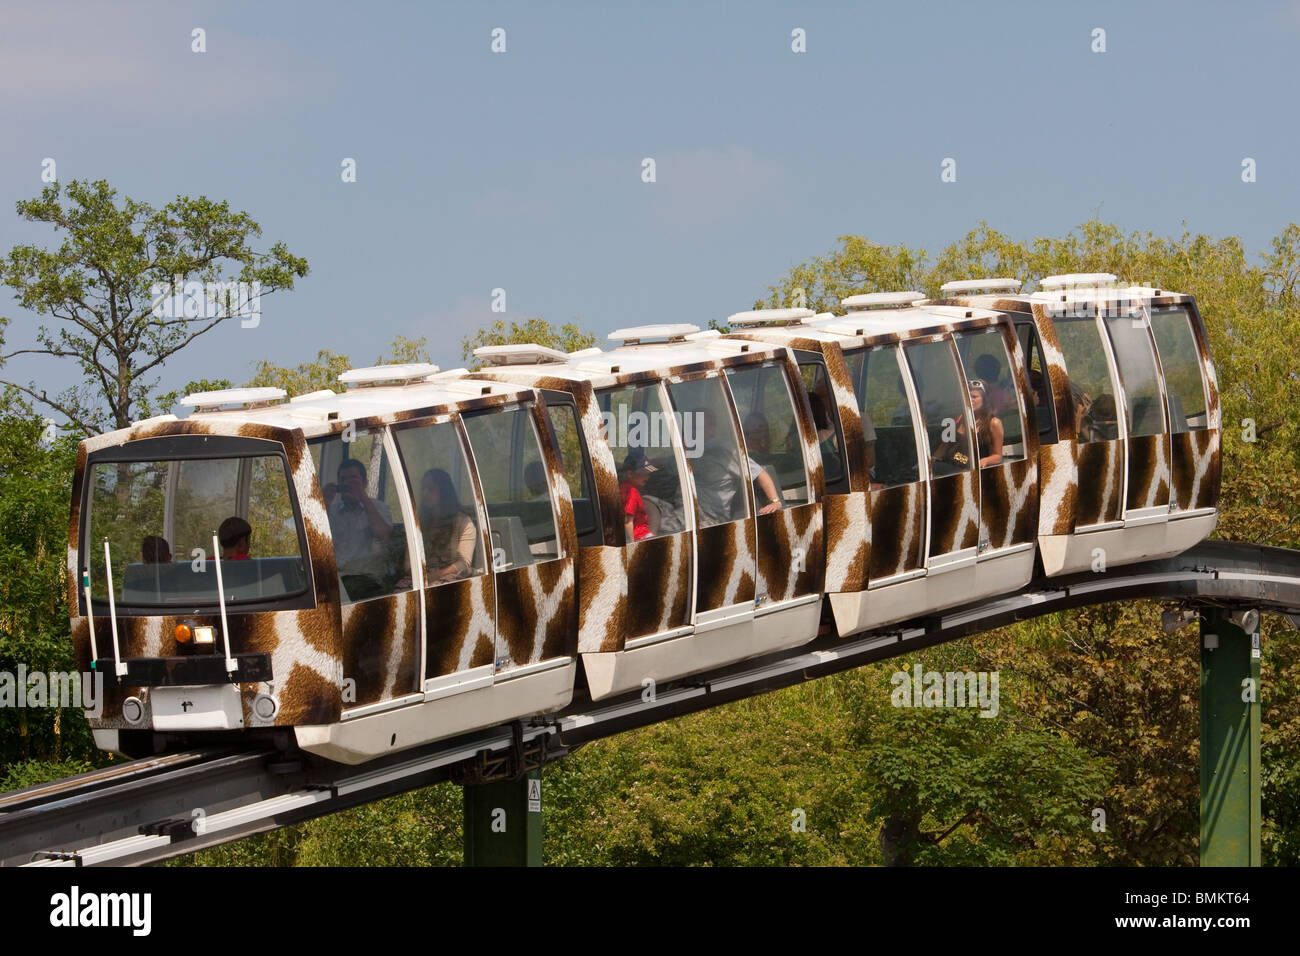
x,y
159,517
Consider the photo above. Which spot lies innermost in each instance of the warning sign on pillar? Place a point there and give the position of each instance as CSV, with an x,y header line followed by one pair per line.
x,y
534,796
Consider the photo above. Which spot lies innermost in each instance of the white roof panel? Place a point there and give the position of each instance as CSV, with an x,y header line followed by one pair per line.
x,y
642,333
232,396
962,286
765,316
1076,280
409,372
880,300
520,354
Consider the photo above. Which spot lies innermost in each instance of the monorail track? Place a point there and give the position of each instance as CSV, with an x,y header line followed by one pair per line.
x,y
150,810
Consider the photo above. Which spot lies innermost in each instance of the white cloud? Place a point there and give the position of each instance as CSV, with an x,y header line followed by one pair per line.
x,y
137,60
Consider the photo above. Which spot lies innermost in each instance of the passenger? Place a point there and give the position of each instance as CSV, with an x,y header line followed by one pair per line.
x,y
988,434
988,427
719,478
358,524
636,471
535,480
234,535
989,370
155,550
1101,420
1038,383
822,420
758,444
449,534
757,433
1082,402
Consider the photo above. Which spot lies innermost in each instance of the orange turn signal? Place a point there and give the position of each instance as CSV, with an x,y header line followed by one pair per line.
x,y
183,633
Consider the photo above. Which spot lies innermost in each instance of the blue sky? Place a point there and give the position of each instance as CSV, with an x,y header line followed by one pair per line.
x,y
522,170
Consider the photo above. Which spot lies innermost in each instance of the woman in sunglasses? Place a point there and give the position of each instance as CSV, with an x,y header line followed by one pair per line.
x,y
988,433
988,427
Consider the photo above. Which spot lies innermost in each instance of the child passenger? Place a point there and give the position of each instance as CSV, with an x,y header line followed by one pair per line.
x,y
636,471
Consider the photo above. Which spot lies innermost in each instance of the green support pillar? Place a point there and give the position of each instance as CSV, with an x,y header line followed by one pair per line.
x,y
1230,791
503,822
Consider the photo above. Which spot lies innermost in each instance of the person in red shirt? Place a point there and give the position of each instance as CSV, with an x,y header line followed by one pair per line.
x,y
636,471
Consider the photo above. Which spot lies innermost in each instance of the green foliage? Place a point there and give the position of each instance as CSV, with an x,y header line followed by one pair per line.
x,y
324,372
29,773
35,464
567,337
99,284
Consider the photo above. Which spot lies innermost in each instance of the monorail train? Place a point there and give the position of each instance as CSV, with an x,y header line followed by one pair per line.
x,y
431,552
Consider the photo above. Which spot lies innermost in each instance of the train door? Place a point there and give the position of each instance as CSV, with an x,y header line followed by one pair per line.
x,y
369,511
941,397
724,547
788,525
536,611
836,460
1146,428
1101,462
575,462
656,523
1193,433
458,591
1008,459
1040,383
898,495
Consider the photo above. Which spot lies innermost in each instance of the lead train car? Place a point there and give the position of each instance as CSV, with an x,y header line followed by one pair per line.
x,y
412,568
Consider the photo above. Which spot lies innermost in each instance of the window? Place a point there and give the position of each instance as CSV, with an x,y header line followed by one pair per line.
x,y
987,363
640,432
1040,382
1096,414
1181,362
771,430
365,515
825,419
442,492
564,421
160,516
716,461
942,396
521,518
1137,370
886,416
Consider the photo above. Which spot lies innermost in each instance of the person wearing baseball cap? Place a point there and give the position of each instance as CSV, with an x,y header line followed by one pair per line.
x,y
636,471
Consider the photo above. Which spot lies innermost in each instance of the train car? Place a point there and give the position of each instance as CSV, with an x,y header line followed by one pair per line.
x,y
713,440
931,478
350,574
1128,415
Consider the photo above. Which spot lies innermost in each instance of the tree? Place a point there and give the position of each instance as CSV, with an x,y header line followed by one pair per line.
x,y
858,265
103,284
325,370
567,337
35,463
